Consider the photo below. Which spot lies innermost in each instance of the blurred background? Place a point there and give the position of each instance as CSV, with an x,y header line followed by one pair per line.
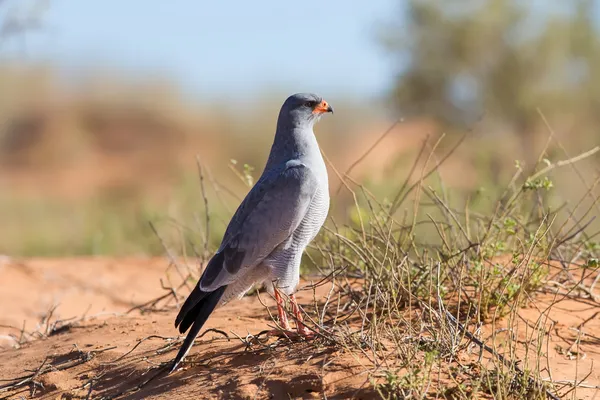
x,y
114,114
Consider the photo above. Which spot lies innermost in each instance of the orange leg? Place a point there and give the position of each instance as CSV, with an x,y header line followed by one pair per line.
x,y
283,320
302,329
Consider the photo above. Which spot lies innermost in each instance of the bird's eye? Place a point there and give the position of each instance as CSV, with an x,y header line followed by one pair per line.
x,y
309,104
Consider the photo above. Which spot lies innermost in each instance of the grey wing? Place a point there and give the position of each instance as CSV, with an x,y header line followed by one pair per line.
x,y
266,218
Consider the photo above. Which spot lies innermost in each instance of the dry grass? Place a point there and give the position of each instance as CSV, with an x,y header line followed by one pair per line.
x,y
423,289
432,272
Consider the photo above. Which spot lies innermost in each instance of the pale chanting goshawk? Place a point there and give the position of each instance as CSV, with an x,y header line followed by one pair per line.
x,y
280,216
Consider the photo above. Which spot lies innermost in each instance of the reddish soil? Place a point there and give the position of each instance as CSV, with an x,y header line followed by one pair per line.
x,y
223,367
109,353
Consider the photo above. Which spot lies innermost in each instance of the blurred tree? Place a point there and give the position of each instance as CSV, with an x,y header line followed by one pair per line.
x,y
458,60
19,17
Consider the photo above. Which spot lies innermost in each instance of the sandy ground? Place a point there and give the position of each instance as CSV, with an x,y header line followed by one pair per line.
x,y
113,354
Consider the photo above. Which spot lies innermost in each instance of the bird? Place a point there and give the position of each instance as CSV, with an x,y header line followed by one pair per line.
x,y
268,233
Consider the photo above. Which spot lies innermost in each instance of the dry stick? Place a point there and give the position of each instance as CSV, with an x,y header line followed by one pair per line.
x,y
343,182
425,176
589,188
576,385
419,186
217,187
329,277
180,229
585,214
53,329
173,339
577,232
11,327
440,232
170,255
445,209
89,394
573,383
389,217
553,135
336,320
172,292
327,299
44,368
159,371
578,284
135,347
527,255
369,150
433,195
494,353
594,283
162,368
573,165
550,167
206,209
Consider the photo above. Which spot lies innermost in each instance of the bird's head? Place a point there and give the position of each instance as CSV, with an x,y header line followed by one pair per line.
x,y
304,109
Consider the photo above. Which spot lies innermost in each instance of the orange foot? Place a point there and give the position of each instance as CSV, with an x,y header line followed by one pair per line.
x,y
292,335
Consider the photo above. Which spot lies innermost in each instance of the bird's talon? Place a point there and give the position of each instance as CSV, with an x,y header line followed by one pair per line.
x,y
283,333
308,334
292,335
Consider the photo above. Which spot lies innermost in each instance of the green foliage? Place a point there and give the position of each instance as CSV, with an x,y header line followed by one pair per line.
x,y
512,386
245,174
457,61
540,183
408,384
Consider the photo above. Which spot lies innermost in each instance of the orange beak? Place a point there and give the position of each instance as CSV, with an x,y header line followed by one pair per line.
x,y
323,107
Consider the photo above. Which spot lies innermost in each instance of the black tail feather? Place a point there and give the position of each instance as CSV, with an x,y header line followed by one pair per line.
x,y
197,294
192,301
202,306
190,317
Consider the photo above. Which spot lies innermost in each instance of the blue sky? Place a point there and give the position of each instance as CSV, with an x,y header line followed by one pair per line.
x,y
223,48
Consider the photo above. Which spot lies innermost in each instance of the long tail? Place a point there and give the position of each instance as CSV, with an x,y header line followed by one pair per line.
x,y
194,312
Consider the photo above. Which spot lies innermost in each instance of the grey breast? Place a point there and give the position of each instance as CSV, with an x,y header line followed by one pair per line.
x,y
285,260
